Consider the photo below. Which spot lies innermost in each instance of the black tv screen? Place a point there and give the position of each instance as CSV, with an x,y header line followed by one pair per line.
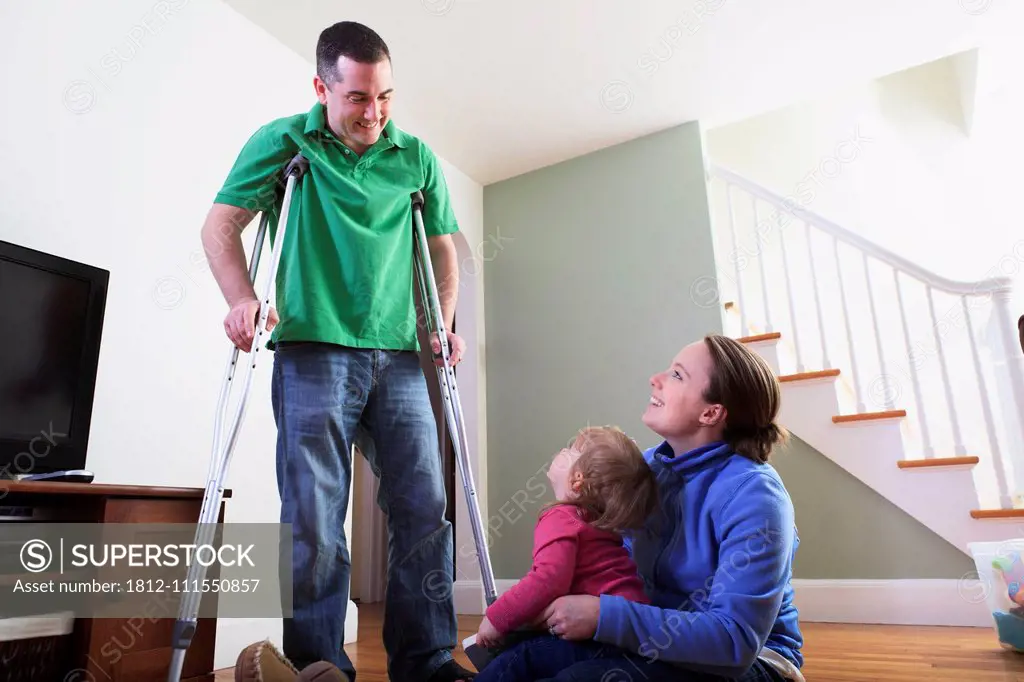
x,y
49,350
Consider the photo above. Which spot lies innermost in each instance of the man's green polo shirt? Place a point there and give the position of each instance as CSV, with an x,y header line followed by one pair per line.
x,y
346,271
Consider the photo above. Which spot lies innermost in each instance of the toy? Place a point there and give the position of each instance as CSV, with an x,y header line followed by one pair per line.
x,y
1011,568
1010,629
1010,625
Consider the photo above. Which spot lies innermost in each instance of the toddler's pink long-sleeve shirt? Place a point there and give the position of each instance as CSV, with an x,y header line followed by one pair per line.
x,y
569,557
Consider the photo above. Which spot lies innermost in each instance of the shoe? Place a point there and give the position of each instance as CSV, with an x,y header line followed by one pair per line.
x,y
263,662
322,671
451,671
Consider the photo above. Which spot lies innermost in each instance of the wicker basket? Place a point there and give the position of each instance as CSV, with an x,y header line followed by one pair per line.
x,y
36,649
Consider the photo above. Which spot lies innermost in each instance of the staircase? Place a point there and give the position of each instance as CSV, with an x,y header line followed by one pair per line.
x,y
911,382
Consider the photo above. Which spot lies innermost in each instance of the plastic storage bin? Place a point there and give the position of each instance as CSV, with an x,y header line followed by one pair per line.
x,y
1000,567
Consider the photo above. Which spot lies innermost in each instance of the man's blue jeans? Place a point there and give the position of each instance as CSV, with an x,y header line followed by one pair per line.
x,y
327,398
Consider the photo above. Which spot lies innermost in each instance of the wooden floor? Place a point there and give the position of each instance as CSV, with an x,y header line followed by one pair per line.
x,y
833,653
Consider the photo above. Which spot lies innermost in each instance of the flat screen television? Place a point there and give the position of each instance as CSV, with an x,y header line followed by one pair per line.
x,y
52,313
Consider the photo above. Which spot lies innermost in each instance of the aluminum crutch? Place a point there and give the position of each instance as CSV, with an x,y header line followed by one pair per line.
x,y
450,392
185,625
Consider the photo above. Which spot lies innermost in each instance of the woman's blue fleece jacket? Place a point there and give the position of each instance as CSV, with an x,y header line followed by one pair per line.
x,y
717,562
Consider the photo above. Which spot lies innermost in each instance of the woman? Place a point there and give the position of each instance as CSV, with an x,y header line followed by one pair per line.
x,y
717,560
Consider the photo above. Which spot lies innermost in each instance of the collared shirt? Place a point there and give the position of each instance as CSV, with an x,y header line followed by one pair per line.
x,y
346,268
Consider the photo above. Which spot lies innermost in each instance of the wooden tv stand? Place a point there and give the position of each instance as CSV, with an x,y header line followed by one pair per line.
x,y
141,650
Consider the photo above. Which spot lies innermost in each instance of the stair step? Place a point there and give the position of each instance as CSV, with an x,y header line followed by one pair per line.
x,y
936,462
805,376
770,336
997,513
868,416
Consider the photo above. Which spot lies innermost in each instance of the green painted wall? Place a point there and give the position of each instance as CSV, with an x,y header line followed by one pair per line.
x,y
588,300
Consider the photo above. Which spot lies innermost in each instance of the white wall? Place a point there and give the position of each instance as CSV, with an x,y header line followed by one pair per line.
x,y
117,130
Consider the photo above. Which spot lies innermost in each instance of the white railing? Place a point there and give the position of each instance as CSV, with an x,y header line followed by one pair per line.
x,y
843,301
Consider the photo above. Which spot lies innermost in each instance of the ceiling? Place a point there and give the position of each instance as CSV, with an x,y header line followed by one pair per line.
x,y
499,88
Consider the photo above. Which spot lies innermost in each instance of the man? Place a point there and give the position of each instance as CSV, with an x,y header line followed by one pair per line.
x,y
346,367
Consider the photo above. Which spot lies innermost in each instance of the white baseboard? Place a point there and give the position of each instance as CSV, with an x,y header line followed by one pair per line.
x,y
893,602
469,595
234,634
890,602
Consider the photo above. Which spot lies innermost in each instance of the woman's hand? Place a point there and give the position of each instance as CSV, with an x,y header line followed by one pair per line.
x,y
487,635
573,616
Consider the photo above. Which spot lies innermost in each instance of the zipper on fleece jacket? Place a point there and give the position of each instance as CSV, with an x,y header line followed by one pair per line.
x,y
670,485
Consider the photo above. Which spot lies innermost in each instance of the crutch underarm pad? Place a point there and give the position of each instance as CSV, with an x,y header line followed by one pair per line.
x,y
417,200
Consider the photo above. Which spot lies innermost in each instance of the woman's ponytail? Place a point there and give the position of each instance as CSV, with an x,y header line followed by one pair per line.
x,y
757,443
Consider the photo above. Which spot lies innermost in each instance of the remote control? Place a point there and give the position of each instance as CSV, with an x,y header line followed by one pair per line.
x,y
71,476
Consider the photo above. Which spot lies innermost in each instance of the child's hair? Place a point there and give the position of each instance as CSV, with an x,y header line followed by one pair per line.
x,y
619,491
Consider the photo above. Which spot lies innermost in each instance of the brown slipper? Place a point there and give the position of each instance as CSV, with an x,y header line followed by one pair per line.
x,y
322,671
263,662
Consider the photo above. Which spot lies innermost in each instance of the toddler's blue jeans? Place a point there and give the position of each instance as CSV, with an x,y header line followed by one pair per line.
x,y
546,658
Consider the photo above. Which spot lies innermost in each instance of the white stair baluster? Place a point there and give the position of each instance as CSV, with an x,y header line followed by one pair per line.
x,y
760,251
915,381
817,299
1005,501
958,447
885,378
792,303
849,330
744,328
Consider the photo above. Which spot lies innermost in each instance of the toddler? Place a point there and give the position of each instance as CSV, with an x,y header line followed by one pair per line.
x,y
602,487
